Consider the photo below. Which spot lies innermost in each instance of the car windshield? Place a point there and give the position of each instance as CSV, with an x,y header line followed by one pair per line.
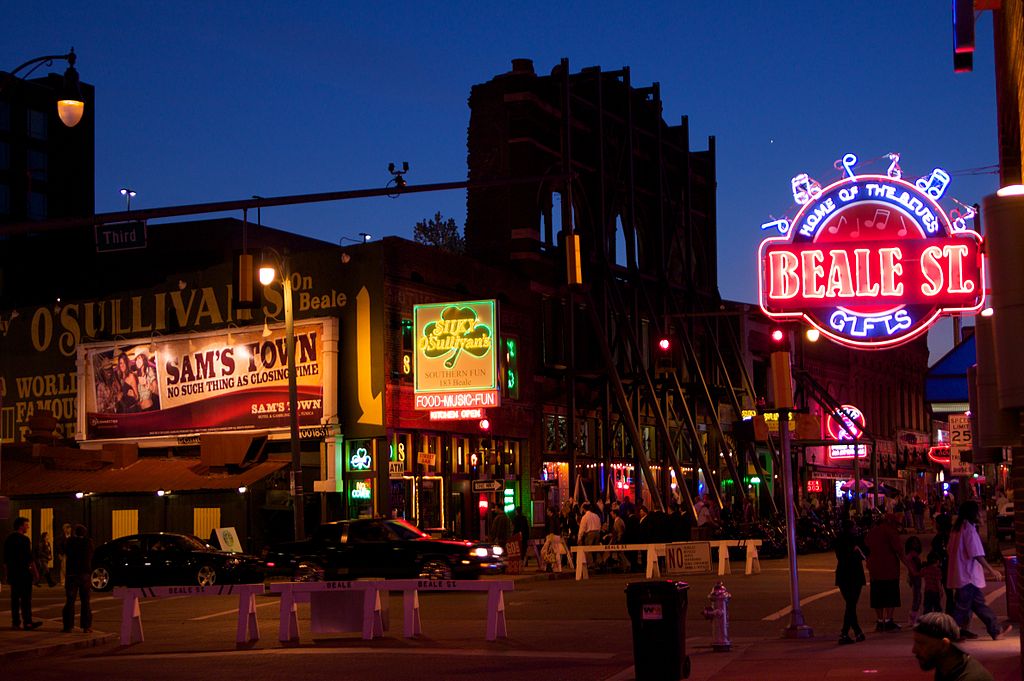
x,y
193,543
404,530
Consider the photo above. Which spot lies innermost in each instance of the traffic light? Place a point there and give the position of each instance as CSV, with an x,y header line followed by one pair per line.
x,y
1003,216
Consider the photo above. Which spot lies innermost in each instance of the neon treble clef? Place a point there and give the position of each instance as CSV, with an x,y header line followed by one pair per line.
x,y
894,170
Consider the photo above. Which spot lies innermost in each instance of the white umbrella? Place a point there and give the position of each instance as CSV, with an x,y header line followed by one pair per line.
x,y
865,485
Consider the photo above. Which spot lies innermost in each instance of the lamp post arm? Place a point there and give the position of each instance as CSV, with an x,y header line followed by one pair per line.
x,y
70,58
293,405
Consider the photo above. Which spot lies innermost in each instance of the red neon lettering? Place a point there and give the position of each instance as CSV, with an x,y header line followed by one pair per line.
x,y
810,262
840,280
889,262
785,283
864,288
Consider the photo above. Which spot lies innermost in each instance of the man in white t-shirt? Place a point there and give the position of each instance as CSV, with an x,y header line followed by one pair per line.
x,y
590,527
967,570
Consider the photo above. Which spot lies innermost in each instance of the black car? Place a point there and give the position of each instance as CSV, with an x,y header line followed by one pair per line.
x,y
395,549
168,558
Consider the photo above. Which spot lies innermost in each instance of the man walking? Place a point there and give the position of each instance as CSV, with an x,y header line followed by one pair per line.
x,y
967,570
78,556
20,575
885,553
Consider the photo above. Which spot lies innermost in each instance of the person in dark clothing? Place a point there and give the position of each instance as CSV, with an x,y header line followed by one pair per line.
x,y
850,556
521,526
78,552
20,575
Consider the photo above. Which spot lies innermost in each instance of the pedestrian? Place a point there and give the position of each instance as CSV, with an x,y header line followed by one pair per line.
x,y
65,534
850,555
21,570
78,552
931,577
885,553
501,529
967,570
912,549
521,526
919,510
940,546
935,636
44,554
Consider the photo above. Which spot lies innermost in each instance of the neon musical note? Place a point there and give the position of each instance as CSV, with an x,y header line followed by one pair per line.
x,y
804,189
837,225
935,184
881,215
903,226
894,170
849,161
781,225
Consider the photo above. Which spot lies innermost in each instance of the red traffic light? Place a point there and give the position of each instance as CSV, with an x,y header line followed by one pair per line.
x,y
778,335
485,424
664,344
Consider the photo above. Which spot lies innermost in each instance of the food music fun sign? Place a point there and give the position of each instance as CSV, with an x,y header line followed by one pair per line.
x,y
871,261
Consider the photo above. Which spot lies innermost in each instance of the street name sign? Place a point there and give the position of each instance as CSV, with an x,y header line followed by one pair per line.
x,y
478,486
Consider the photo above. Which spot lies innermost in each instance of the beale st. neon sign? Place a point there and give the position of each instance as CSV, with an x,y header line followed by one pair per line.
x,y
871,260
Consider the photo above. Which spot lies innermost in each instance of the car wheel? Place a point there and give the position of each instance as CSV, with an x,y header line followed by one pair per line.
x,y
435,568
308,571
101,579
206,576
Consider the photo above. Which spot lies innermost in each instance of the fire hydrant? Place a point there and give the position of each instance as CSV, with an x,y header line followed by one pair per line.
x,y
717,611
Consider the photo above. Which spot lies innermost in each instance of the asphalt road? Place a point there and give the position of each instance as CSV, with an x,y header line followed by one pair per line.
x,y
560,629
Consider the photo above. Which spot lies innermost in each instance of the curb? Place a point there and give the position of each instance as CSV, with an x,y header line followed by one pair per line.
x,y
48,648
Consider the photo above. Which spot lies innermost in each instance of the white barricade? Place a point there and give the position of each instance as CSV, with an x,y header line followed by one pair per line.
x,y
652,551
131,613
334,606
410,588
753,563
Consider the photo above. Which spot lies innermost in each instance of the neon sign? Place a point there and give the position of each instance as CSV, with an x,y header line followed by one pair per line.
x,y
846,425
871,261
814,486
360,460
362,490
455,365
939,454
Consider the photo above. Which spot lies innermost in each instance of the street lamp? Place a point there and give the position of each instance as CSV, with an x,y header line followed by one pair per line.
x,y
268,272
70,105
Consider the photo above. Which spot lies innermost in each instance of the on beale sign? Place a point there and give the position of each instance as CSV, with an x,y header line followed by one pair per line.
x,y
871,260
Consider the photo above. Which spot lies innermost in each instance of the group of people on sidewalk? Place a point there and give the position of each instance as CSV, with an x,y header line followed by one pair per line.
x,y
25,568
955,569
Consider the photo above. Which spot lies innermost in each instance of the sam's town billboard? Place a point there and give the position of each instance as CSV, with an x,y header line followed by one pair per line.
x,y
213,381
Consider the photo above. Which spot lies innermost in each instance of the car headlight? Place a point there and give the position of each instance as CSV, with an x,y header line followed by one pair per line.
x,y
497,550
480,552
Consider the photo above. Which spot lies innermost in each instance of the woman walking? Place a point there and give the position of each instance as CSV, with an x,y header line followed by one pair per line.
x,y
850,556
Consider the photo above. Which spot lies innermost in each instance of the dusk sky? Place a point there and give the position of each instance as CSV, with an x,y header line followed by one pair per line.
x,y
219,101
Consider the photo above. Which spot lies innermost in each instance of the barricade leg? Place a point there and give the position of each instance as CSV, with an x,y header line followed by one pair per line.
x,y
131,618
723,560
373,615
653,569
411,613
248,625
753,562
581,566
496,614
288,630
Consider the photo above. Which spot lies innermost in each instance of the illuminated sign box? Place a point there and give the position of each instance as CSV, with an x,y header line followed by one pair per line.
x,y
846,425
871,260
455,365
456,414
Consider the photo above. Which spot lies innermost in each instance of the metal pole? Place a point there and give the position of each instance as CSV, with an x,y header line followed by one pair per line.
x,y
797,628
856,477
293,407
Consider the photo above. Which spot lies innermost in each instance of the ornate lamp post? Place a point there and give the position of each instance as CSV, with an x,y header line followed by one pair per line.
x,y
70,105
268,272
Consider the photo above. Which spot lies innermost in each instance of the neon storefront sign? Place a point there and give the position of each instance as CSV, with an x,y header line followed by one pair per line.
x,y
871,261
360,460
846,424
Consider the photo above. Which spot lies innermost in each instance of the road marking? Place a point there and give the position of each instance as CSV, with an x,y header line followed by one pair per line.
x,y
230,612
419,651
779,614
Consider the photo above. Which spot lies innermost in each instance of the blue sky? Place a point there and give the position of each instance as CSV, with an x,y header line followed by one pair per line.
x,y
203,101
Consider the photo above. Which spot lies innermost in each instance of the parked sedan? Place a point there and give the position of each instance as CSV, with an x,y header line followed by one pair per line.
x,y
350,549
167,558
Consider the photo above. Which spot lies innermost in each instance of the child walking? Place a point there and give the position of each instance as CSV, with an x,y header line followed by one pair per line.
x,y
931,575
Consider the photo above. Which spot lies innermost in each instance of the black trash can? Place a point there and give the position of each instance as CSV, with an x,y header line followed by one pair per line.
x,y
1012,589
658,613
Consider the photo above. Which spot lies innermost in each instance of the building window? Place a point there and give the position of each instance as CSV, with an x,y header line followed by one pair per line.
x,y
38,163
37,124
37,206
555,437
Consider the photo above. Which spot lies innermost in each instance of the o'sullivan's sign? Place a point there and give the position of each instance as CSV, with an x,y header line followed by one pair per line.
x,y
455,361
871,260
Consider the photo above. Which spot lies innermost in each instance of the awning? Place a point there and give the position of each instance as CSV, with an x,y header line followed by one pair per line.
x,y
147,474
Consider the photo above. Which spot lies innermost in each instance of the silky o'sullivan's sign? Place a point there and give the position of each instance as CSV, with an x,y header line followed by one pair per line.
x,y
455,361
871,260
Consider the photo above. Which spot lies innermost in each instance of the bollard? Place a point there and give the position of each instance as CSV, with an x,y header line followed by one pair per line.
x,y
717,611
